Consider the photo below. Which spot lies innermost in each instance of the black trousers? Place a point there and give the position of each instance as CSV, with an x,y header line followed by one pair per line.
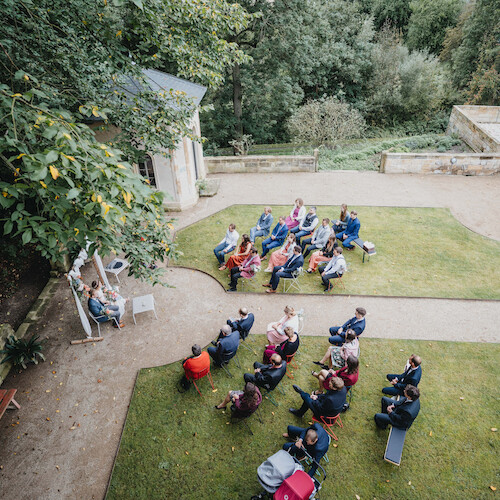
x,y
235,275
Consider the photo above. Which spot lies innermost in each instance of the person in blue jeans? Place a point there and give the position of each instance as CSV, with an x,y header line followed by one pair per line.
x,y
357,324
228,244
351,232
263,225
277,237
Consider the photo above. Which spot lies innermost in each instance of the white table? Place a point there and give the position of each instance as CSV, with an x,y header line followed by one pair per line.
x,y
143,304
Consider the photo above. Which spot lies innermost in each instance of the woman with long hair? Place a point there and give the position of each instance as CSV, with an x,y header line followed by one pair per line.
x,y
341,223
349,373
244,403
236,259
297,213
276,331
279,257
323,255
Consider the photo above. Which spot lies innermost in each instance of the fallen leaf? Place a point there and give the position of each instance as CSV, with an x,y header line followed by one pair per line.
x,y
430,433
494,429
99,380
409,483
461,398
48,419
493,488
358,497
272,413
214,390
184,412
48,390
232,448
186,452
335,445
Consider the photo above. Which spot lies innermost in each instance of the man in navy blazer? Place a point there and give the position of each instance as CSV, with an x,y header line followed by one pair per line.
x,y
226,345
263,225
313,439
244,324
357,324
291,265
101,312
322,405
277,237
351,232
411,375
402,413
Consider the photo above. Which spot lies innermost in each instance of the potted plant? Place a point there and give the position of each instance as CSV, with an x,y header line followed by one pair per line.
x,y
20,352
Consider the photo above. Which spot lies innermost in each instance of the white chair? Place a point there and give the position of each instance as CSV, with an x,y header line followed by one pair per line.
x,y
301,316
96,319
116,271
293,282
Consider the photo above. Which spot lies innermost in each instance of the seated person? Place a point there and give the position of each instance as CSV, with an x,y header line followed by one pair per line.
x,y
402,413
313,439
276,331
341,223
194,364
263,225
237,258
322,405
244,403
276,239
306,226
101,312
357,324
296,215
279,257
247,269
244,324
318,239
334,269
115,297
290,266
286,348
336,355
411,376
228,244
267,376
351,231
226,345
323,255
349,374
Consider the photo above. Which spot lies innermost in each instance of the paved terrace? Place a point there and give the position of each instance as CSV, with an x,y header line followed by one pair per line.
x,y
62,442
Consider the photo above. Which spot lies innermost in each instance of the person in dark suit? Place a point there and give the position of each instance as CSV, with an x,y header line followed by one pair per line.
x,y
285,271
103,312
225,346
402,413
322,405
276,239
351,232
357,324
411,375
244,324
267,376
313,439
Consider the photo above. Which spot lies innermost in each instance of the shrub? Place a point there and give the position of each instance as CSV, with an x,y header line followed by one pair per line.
x,y
19,352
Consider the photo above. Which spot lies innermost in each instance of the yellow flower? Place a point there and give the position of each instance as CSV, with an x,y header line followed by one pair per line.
x,y
76,231
54,172
93,197
43,184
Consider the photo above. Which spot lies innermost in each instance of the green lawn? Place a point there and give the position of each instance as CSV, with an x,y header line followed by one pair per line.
x,y
179,447
420,252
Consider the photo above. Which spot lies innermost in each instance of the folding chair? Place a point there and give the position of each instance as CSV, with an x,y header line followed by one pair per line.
x,y
243,343
199,375
236,360
96,319
309,460
293,282
268,394
243,420
337,282
290,361
116,271
328,423
251,279
350,390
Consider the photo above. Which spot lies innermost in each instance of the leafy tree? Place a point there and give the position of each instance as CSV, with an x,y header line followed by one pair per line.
x,y
429,21
59,186
394,14
326,121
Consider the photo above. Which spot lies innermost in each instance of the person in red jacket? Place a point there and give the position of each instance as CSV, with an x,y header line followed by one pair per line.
x,y
349,374
200,360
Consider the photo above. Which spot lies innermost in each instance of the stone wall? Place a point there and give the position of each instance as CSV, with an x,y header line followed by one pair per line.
x,y
477,126
440,163
253,164
5,331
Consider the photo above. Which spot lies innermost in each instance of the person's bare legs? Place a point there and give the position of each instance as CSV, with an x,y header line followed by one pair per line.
x,y
321,376
326,357
226,401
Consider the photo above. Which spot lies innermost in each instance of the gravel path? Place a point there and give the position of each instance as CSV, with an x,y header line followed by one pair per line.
x,y
62,442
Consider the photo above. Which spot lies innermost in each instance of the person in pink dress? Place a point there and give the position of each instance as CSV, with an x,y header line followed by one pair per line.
x,y
247,269
276,331
279,257
348,373
236,259
323,255
296,215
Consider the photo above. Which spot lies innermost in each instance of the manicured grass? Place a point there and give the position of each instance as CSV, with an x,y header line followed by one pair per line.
x,y
420,252
177,446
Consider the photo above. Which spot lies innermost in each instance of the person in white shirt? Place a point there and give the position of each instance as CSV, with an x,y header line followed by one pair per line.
x,y
228,244
334,269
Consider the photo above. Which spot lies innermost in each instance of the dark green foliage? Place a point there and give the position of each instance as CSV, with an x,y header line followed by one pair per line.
x,y
21,352
395,14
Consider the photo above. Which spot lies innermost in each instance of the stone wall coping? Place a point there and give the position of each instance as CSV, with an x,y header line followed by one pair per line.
x,y
258,157
458,156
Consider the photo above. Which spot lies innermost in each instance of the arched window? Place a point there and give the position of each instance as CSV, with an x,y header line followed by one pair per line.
x,y
146,169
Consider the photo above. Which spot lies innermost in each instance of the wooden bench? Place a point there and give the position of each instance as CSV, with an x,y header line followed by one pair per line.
x,y
394,448
359,242
7,397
